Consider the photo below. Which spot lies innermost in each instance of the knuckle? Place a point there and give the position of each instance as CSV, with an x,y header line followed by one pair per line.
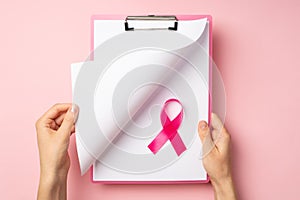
x,y
56,106
37,123
226,134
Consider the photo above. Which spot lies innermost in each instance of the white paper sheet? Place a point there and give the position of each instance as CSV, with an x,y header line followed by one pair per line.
x,y
189,163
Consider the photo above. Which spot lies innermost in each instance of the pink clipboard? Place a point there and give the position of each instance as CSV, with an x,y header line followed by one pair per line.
x,y
180,18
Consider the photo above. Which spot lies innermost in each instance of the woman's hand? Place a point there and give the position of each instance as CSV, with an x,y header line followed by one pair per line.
x,y
216,157
54,129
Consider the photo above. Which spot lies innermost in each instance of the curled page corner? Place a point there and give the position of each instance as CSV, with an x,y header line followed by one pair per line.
x,y
193,29
85,159
87,155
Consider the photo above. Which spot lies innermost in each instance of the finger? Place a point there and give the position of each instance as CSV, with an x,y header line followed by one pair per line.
x,y
53,125
217,127
73,129
216,122
68,121
60,119
55,111
220,135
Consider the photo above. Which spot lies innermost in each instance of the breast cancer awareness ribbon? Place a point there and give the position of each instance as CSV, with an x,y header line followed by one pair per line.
x,y
169,131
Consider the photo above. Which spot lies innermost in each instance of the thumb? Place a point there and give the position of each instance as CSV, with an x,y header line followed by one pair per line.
x,y
206,139
69,120
203,130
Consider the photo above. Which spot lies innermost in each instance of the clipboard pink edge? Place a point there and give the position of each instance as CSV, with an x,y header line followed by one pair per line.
x,y
179,17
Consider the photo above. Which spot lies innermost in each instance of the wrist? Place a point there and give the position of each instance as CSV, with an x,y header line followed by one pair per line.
x,y
53,173
52,187
221,181
53,178
224,188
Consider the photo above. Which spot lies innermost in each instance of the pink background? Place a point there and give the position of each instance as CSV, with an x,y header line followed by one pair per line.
x,y
256,47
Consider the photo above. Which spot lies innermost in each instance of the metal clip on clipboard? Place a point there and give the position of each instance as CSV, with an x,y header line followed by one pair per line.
x,y
152,18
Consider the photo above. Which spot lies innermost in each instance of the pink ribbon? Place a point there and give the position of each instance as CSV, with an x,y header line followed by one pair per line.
x,y
169,131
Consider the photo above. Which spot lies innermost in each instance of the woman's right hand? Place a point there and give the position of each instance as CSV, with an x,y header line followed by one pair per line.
x,y
216,157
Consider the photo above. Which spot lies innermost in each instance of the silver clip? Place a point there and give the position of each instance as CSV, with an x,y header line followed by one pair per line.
x,y
152,18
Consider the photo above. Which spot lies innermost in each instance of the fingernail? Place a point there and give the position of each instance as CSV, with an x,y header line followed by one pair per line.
x,y
75,111
203,125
